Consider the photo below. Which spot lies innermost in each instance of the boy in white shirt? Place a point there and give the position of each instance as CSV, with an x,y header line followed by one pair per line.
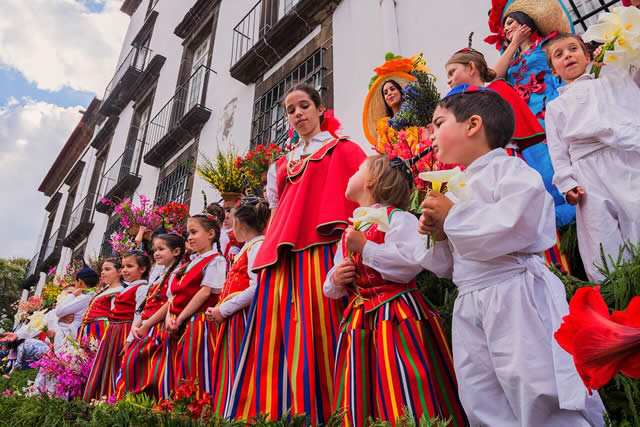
x,y
510,370
593,132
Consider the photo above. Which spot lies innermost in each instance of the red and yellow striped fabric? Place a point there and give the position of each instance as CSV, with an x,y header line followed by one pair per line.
x,y
392,358
94,330
141,364
103,377
287,356
193,354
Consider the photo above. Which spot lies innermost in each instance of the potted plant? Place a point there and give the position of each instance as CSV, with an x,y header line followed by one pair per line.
x,y
255,164
223,176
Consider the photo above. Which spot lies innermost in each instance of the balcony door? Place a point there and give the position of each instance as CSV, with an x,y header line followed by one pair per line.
x,y
196,81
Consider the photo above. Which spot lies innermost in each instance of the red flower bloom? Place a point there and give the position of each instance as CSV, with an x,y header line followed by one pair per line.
x,y
601,344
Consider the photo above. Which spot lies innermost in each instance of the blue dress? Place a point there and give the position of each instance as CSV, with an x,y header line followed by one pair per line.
x,y
530,76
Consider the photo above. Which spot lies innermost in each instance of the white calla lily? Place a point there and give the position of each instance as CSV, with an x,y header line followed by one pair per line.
x,y
37,321
437,178
601,33
367,215
459,188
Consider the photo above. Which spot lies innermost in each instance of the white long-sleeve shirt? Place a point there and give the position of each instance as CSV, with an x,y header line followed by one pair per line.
x,y
141,295
509,218
591,114
75,305
393,259
298,151
243,299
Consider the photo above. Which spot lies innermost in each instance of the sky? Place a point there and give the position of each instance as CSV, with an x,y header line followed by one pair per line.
x,y
55,56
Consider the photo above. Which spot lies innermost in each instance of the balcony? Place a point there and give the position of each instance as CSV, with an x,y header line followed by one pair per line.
x,y
52,250
179,120
121,179
270,30
120,89
80,223
30,275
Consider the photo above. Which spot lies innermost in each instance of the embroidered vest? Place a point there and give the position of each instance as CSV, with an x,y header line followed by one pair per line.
x,y
156,296
371,288
124,306
99,308
238,277
183,289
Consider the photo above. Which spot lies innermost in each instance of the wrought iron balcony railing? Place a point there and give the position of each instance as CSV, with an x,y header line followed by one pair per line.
x,y
122,175
119,90
53,244
80,223
179,119
256,24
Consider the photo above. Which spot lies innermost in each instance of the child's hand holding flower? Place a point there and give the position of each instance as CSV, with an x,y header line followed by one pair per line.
x,y
435,209
354,240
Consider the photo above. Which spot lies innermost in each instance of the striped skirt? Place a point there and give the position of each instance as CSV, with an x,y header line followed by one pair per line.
x,y
94,330
395,359
102,379
167,373
227,349
287,355
193,355
141,364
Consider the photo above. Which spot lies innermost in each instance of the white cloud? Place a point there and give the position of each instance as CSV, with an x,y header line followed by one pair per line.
x,y
32,134
57,43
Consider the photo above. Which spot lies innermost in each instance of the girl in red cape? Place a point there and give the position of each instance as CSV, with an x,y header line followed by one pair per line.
x,y
601,344
287,355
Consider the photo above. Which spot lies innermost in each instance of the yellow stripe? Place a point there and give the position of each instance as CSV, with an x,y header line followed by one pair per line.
x,y
328,363
272,336
388,353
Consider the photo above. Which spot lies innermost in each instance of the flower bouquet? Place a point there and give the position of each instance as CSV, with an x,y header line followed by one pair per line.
x,y
620,32
120,242
133,217
223,175
255,164
70,367
26,308
175,216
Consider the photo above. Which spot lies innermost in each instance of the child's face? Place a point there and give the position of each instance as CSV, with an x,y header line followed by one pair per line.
x,y
568,60
302,113
131,271
163,254
458,74
109,273
199,238
357,185
448,136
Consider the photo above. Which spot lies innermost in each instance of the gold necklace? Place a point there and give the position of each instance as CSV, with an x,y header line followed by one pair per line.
x,y
297,168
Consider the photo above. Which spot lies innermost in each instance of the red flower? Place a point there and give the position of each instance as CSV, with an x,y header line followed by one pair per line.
x,y
601,344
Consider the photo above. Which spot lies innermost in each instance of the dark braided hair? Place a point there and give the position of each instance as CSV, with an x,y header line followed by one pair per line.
x,y
173,241
255,215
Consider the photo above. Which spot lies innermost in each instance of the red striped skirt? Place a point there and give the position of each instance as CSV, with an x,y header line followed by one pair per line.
x,y
395,359
287,355
193,355
141,364
94,330
103,376
227,349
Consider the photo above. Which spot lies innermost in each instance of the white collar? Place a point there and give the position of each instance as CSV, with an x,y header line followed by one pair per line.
x,y
134,283
482,161
202,256
320,137
585,76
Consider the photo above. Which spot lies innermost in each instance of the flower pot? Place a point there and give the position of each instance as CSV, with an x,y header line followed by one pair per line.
x,y
231,198
135,229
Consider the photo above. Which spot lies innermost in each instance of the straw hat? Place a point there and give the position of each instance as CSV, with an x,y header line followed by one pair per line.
x,y
549,15
374,105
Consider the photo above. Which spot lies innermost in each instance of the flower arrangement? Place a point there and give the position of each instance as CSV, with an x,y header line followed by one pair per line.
x,y
620,32
145,215
421,98
26,308
52,288
70,367
37,322
120,242
396,63
175,216
185,404
255,164
222,174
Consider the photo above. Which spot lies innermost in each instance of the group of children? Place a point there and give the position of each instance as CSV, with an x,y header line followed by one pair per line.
x,y
189,322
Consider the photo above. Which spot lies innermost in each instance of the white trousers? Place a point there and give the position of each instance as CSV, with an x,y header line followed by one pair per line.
x,y
509,372
610,212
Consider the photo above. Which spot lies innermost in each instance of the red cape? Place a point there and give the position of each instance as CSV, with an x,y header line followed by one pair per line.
x,y
528,130
312,209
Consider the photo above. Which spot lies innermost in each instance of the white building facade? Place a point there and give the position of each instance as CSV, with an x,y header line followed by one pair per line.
x,y
196,76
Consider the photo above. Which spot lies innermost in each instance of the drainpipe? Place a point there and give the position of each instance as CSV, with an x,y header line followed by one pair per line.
x,y
390,26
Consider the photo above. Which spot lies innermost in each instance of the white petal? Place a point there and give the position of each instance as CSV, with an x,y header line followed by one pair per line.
x,y
600,33
440,176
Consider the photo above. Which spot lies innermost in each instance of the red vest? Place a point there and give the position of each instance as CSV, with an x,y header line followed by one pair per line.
x,y
312,209
156,297
238,277
99,308
188,285
233,242
371,289
124,306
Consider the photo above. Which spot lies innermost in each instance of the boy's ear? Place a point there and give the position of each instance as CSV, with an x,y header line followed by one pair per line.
x,y
474,125
553,71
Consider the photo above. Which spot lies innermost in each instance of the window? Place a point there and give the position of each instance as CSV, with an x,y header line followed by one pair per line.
x,y
585,12
269,123
175,186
